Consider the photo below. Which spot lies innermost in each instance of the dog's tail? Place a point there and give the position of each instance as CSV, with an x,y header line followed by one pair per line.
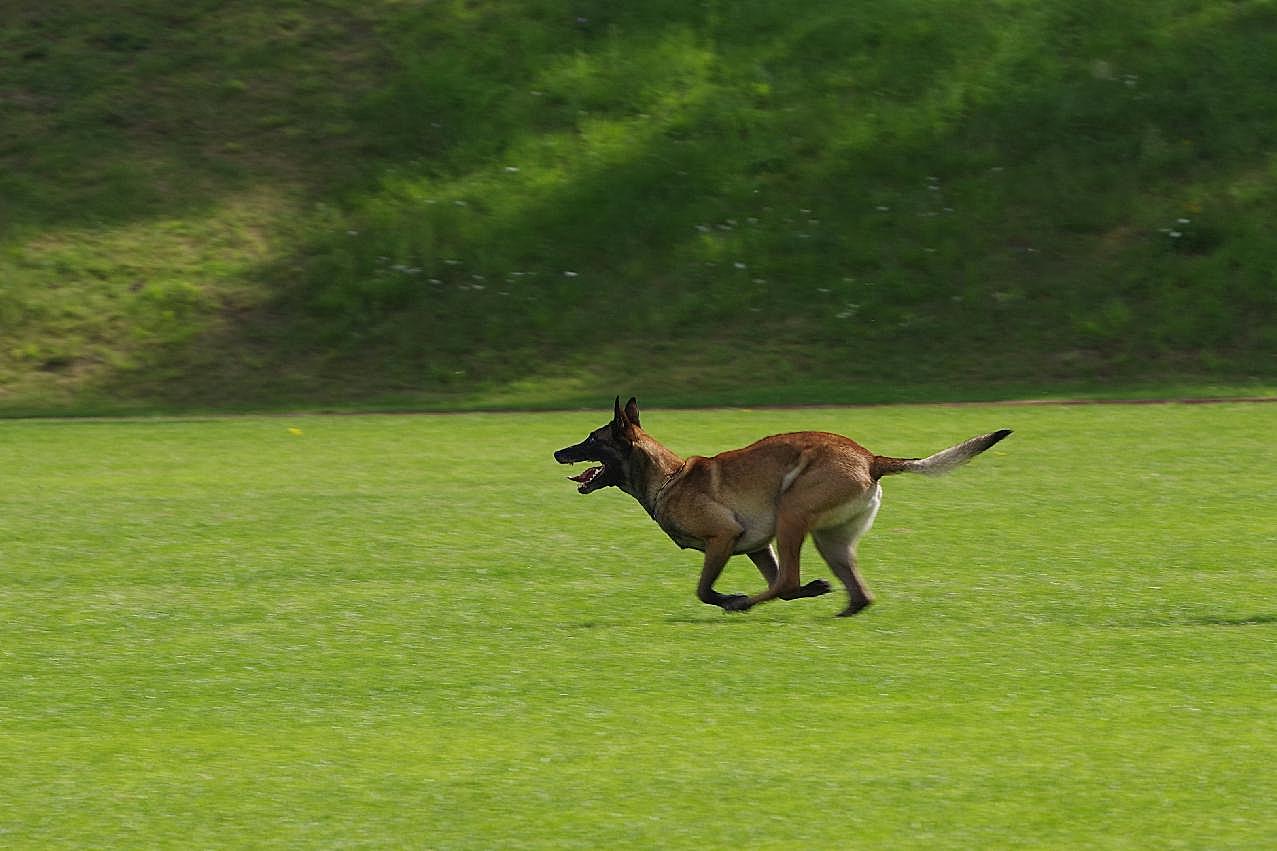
x,y
940,463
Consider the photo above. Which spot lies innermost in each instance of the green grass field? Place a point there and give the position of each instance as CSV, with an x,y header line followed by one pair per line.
x,y
412,632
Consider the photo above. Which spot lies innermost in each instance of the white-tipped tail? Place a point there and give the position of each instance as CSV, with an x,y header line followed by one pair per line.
x,y
941,462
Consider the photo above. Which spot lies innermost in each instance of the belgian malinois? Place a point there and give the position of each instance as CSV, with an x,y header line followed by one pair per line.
x,y
783,487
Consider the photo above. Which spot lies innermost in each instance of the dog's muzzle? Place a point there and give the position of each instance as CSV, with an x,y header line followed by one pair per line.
x,y
591,479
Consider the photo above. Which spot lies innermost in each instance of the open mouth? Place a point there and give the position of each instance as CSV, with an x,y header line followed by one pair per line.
x,y
585,478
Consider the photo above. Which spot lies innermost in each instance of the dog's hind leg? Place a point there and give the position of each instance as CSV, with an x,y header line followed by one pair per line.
x,y
765,561
837,546
839,551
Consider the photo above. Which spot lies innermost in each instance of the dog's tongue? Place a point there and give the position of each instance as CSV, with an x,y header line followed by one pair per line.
x,y
584,478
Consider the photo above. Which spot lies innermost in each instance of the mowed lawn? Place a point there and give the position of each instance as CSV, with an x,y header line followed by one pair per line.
x,y
413,632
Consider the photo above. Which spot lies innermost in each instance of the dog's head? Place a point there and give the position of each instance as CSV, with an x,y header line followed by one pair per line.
x,y
610,445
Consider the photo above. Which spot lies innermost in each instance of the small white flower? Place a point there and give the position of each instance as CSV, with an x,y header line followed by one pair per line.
x,y
570,274
740,265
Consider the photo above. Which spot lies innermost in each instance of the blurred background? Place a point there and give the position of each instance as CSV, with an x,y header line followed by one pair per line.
x,y
445,204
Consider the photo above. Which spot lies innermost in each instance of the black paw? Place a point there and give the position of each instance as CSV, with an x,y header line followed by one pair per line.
x,y
854,607
735,603
816,588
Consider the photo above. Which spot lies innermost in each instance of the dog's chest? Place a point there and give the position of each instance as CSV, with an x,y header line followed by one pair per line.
x,y
679,536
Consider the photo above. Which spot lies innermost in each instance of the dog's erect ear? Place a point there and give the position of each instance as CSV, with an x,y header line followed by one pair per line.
x,y
621,424
631,410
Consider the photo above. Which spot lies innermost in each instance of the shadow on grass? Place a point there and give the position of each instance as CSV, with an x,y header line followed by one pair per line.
x,y
1263,619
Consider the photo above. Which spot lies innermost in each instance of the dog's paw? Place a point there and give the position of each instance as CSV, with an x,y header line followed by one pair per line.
x,y
816,588
854,608
735,603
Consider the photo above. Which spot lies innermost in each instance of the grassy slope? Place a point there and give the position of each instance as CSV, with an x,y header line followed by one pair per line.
x,y
527,203
258,638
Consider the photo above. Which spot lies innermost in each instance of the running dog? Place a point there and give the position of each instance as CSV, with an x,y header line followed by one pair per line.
x,y
782,487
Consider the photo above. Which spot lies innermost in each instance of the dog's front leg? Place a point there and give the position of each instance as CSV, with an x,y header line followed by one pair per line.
x,y
717,551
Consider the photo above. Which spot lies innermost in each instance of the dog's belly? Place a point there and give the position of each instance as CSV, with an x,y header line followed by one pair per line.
x,y
758,533
744,545
759,527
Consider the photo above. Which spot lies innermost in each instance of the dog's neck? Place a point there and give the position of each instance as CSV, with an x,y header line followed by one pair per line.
x,y
649,468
